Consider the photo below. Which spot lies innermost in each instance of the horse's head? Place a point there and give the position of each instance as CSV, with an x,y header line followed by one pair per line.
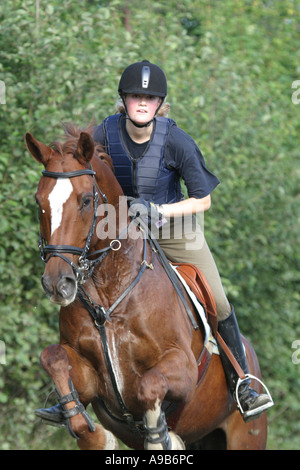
x,y
68,197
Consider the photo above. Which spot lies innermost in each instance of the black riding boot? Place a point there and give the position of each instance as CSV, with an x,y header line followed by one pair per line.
x,y
250,403
53,415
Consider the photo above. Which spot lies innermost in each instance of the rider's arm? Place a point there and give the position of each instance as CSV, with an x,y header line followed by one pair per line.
x,y
186,207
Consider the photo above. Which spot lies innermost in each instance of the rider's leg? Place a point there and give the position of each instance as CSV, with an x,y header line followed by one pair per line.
x,y
252,404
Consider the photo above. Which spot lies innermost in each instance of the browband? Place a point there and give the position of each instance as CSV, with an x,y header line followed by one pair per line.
x,y
68,174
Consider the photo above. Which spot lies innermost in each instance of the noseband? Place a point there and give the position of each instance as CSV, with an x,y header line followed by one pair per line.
x,y
85,267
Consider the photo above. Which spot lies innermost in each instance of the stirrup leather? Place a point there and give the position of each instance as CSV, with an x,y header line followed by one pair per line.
x,y
259,410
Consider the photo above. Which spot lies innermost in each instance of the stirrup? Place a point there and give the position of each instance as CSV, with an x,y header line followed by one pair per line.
x,y
247,415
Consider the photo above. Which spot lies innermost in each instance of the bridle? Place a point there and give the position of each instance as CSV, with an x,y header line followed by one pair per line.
x,y
84,269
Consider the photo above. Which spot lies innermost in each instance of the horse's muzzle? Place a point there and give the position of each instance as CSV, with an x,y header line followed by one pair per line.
x,y
61,292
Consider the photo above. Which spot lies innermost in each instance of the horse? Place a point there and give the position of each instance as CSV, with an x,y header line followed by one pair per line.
x,y
127,345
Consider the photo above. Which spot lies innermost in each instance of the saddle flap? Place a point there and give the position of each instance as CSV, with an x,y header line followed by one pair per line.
x,y
195,279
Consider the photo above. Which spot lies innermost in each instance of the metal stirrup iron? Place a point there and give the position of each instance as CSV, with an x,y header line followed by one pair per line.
x,y
256,410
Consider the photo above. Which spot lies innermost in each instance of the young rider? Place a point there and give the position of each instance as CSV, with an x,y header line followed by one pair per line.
x,y
150,155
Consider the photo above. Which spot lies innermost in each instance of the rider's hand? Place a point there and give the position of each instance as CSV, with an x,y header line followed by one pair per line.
x,y
147,210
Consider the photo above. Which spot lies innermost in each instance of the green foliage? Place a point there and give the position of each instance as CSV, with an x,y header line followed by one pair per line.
x,y
230,68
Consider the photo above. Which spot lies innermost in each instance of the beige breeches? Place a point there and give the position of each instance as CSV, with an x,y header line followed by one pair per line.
x,y
189,245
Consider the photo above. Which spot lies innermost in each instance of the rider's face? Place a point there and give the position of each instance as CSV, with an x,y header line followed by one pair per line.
x,y
141,108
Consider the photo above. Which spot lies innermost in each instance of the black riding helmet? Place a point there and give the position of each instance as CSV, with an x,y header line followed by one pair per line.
x,y
143,78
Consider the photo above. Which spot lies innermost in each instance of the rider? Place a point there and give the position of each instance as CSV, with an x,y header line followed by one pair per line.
x,y
150,155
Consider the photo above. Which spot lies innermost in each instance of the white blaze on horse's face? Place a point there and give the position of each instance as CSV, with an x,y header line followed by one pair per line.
x,y
59,195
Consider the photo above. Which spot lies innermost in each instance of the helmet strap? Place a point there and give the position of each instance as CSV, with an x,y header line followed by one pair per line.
x,y
139,125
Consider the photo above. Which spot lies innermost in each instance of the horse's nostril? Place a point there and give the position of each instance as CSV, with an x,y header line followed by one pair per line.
x,y
62,291
47,285
66,287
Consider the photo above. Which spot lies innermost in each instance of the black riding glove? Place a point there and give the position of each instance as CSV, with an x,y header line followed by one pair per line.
x,y
147,211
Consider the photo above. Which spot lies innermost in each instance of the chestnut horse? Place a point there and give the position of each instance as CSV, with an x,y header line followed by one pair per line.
x,y
127,344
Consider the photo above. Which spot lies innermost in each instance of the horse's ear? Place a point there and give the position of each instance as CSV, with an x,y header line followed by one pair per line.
x,y
85,148
38,150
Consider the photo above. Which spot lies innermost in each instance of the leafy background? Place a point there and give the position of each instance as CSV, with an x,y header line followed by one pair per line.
x,y
230,67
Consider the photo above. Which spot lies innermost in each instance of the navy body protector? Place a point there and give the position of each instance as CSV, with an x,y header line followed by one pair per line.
x,y
147,176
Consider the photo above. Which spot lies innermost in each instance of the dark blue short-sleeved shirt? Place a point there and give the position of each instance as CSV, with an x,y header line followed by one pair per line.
x,y
182,155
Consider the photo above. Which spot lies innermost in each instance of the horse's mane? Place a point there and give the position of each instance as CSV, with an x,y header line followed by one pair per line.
x,y
68,142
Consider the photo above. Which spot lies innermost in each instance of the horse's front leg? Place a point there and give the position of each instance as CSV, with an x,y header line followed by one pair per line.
x,y
90,436
174,378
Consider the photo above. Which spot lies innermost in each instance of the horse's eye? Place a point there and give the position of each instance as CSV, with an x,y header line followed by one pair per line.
x,y
86,202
